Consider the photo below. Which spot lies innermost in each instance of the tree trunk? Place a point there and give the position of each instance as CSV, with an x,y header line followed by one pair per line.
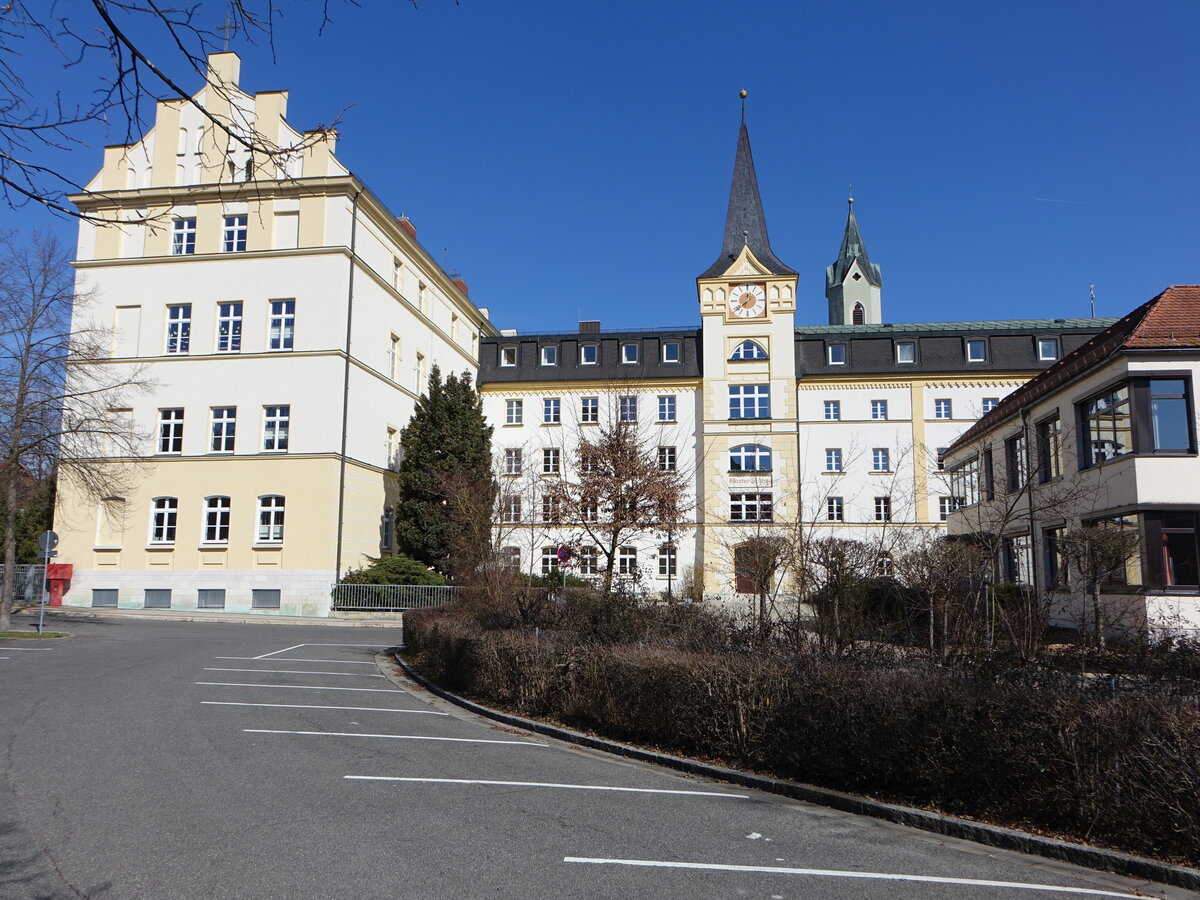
x,y
10,547
1097,618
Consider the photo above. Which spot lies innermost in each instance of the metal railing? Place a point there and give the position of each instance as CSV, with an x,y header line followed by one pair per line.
x,y
390,597
29,583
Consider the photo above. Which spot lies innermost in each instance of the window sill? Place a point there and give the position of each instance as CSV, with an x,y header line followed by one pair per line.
x,y
214,546
152,548
668,422
839,472
512,425
273,545
884,472
106,548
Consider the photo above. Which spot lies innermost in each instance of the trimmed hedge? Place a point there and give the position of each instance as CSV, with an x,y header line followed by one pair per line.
x,y
1030,748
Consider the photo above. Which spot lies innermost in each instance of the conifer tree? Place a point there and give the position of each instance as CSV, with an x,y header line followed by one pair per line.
x,y
446,448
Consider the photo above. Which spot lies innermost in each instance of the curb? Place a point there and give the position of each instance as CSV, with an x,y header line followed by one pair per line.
x,y
83,612
991,835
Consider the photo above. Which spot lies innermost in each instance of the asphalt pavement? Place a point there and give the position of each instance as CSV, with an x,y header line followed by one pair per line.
x,y
146,759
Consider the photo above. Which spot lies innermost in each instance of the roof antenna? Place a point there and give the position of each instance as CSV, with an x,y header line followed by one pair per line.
x,y
1092,292
742,94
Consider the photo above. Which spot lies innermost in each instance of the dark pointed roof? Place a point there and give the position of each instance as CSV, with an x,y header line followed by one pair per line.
x,y
744,222
852,248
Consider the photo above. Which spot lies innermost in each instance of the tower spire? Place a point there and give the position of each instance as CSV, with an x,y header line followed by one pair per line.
x,y
745,225
852,249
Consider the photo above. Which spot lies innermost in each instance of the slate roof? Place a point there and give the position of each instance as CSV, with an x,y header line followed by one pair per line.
x,y
745,224
1169,321
1048,325
853,247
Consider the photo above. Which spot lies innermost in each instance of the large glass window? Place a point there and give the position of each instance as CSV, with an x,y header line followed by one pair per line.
x,y
511,510
270,519
750,401
750,508
627,561
964,482
750,458
1107,426
283,324
1169,415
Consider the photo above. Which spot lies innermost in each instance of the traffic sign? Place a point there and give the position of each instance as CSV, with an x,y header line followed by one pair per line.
x,y
48,540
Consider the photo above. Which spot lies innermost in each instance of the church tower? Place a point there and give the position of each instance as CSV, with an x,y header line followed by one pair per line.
x,y
853,283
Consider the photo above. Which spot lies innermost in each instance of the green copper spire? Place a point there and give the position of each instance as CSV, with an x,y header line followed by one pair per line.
x,y
852,248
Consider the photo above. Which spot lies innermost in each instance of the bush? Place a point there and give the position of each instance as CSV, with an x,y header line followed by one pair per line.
x,y
398,569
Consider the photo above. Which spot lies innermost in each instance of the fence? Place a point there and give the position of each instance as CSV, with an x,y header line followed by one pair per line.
x,y
29,583
390,597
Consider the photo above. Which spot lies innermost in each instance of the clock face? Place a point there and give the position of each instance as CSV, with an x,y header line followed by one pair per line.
x,y
747,301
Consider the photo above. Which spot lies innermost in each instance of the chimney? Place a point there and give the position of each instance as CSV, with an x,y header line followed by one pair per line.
x,y
406,223
590,327
462,285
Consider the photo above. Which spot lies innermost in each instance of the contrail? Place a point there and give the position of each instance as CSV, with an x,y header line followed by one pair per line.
x,y
1053,200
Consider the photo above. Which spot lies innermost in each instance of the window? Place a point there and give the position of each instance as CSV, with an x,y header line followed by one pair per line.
x,y
589,354
1014,462
833,459
264,598
964,482
157,598
1107,425
629,353
589,511
508,356
837,354
588,561
1169,417
749,401
666,408
941,459
835,509
879,409
881,460
551,461
883,509
513,412
748,350
628,407
390,448
511,510
550,355
1047,349
549,560
229,327
551,411
283,322
750,508
393,362
947,505
942,409
1173,553
906,352
627,561
1052,556
170,431
670,352
858,316
423,297
224,429
884,565
233,237
510,558
833,410
183,237
276,420
270,519
1050,457
179,328
976,351
989,403
666,459
551,509
216,520
104,596
666,561
513,460
163,517
210,598
387,529
750,458
1017,559
988,473
589,410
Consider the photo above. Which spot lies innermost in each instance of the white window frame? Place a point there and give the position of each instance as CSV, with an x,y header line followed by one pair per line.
x,y
281,325
549,354
970,345
755,506
177,337
667,458
1054,349
627,561
551,410
589,350
551,461
755,398
883,508
510,510
666,408
943,404
834,351
183,237
669,358
835,509
589,561
233,234
629,354
627,406
989,403
391,446
229,326
750,458
879,410
749,350
514,460
881,459
833,459
514,412
170,431
217,513
222,429
667,562
589,410
912,348
834,407
271,508
277,426
394,359
550,562
508,356
164,519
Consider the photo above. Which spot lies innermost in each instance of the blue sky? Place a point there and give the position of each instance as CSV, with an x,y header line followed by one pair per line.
x,y
573,157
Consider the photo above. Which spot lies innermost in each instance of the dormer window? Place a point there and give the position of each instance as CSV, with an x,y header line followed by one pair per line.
x,y
508,356
589,354
629,353
748,350
837,354
1047,349
976,351
550,355
670,352
906,352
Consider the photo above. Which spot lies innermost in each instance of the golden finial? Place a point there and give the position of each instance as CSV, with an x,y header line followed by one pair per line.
x,y
742,94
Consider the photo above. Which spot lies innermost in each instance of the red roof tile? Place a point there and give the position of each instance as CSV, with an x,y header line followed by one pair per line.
x,y
1173,320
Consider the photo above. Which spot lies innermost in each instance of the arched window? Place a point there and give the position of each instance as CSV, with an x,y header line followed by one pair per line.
x,y
859,314
749,350
750,458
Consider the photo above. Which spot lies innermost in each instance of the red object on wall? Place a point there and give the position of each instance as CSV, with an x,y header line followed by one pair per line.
x,y
59,576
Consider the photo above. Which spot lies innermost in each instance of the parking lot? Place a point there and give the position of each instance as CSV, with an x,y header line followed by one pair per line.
x,y
157,760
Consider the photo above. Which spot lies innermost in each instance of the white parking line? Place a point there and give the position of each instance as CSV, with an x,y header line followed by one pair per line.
x,y
395,737
33,649
294,672
546,784
302,687
343,662
835,873
419,712
277,652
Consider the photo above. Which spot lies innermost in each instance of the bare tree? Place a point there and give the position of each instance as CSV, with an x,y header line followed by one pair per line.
x,y
1100,554
60,404
133,52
